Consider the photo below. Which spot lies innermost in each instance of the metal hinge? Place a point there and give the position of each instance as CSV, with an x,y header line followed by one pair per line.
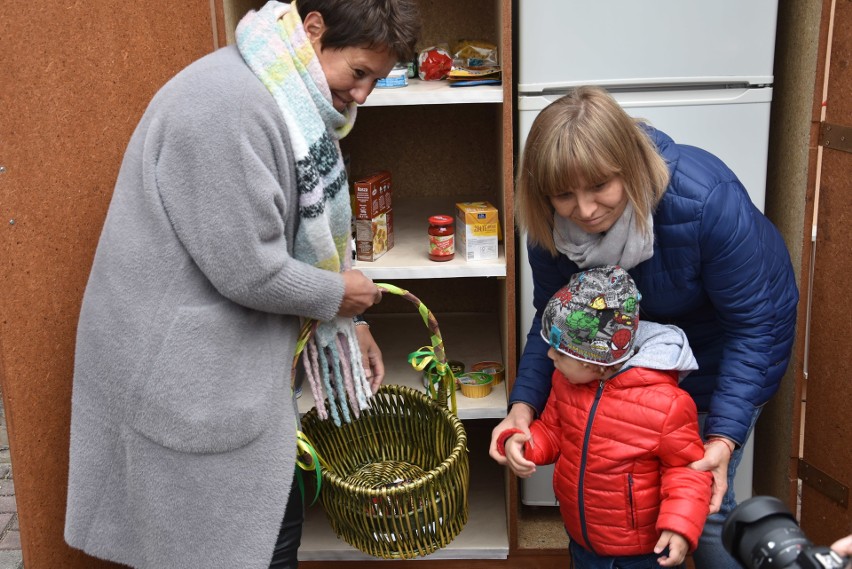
x,y
822,482
835,136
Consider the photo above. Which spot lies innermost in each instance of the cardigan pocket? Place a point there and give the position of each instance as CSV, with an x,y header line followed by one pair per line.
x,y
211,384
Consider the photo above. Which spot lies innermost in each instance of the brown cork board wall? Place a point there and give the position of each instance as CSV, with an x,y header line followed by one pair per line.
x,y
75,78
828,423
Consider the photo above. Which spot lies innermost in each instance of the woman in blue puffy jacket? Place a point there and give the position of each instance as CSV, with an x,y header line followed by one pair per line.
x,y
597,187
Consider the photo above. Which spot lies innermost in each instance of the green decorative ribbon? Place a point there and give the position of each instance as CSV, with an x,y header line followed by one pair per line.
x,y
426,361
307,459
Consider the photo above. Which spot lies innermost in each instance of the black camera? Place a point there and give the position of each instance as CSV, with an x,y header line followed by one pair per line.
x,y
761,533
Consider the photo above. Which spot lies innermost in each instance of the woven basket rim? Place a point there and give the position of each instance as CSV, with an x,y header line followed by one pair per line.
x,y
439,470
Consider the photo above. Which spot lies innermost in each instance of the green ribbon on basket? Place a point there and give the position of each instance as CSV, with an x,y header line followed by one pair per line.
x,y
424,360
304,451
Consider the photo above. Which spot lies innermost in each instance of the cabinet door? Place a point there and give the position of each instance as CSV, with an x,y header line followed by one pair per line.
x,y
76,77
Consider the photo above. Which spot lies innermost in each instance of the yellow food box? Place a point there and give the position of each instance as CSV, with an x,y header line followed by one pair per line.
x,y
477,231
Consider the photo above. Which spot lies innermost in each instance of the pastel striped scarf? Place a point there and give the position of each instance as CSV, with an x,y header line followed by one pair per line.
x,y
273,43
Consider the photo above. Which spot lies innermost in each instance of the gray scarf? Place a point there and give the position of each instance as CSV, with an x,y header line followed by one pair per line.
x,y
623,244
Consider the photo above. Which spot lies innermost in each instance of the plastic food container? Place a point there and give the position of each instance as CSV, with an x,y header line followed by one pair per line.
x,y
475,384
398,77
492,368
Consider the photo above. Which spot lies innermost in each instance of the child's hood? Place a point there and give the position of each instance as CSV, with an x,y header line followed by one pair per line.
x,y
662,347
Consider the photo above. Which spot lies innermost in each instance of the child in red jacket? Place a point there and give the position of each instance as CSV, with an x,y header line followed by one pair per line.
x,y
620,430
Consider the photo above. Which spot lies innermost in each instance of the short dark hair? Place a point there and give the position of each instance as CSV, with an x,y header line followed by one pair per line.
x,y
394,24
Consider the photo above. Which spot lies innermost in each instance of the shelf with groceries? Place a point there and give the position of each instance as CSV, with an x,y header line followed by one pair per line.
x,y
408,258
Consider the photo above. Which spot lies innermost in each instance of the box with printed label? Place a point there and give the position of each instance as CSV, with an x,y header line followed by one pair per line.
x,y
374,237
477,230
371,208
371,196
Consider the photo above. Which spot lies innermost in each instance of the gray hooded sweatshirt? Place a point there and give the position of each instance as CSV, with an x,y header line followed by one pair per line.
x,y
183,422
662,347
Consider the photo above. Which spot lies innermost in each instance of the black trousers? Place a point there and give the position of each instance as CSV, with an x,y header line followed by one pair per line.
x,y
286,551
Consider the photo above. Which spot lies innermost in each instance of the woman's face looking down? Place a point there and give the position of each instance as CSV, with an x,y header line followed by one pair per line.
x,y
594,208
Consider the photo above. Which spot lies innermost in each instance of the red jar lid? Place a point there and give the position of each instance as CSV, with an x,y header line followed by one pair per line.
x,y
441,220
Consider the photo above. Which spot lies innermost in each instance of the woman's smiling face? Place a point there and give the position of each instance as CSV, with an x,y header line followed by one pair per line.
x,y
351,72
593,208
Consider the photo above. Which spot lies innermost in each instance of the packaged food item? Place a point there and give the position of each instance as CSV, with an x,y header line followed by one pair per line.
x,y
475,63
373,212
457,367
477,230
441,238
398,77
476,54
434,63
492,368
475,384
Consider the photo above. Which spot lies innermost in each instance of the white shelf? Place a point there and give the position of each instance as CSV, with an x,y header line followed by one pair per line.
x,y
419,92
468,337
409,257
483,537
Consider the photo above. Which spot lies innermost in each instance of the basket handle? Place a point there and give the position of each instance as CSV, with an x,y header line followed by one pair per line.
x,y
430,357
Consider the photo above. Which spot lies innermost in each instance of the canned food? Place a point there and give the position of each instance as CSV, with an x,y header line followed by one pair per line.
x,y
493,368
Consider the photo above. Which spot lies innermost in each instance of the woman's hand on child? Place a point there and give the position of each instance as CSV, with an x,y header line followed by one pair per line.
x,y
514,448
678,548
520,417
717,455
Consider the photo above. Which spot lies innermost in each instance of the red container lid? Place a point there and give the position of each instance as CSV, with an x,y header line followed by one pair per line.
x,y
440,220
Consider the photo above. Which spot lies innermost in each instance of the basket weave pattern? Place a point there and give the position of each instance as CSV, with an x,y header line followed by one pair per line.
x,y
394,482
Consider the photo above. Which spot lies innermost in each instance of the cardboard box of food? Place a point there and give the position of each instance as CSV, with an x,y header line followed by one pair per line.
x,y
373,237
371,205
371,196
477,231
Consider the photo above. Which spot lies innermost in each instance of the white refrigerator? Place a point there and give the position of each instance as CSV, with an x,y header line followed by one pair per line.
x,y
700,71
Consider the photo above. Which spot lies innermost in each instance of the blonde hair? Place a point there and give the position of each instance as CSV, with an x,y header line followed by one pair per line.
x,y
581,139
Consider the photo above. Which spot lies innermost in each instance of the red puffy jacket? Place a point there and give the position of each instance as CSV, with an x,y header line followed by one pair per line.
x,y
621,449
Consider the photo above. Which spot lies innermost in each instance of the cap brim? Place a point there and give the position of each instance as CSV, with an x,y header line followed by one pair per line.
x,y
622,359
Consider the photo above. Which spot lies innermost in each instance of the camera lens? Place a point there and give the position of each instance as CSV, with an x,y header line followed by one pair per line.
x,y
761,533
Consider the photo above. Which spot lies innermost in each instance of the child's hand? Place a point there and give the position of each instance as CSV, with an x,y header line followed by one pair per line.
x,y
678,547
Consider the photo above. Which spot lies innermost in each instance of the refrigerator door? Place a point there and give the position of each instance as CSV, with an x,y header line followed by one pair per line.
x,y
733,124
565,43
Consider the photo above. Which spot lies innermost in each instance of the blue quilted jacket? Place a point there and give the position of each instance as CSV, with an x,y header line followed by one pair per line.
x,y
720,271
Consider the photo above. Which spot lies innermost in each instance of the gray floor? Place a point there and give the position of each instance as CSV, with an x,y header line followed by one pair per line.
x,y
10,536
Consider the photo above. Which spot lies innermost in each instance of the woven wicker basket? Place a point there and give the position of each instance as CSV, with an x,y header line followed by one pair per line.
x,y
395,481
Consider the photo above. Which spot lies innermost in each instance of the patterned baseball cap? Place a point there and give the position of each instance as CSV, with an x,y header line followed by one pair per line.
x,y
594,317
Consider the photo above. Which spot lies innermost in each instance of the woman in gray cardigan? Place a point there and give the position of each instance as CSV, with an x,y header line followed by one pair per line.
x,y
228,226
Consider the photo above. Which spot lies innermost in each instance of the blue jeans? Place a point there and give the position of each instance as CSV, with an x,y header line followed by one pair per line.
x,y
711,554
584,559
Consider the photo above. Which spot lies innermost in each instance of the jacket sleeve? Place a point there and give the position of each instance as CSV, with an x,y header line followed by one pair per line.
x,y
741,255
219,160
685,493
532,384
543,447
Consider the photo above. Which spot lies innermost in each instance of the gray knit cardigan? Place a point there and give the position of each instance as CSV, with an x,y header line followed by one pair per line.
x,y
183,423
